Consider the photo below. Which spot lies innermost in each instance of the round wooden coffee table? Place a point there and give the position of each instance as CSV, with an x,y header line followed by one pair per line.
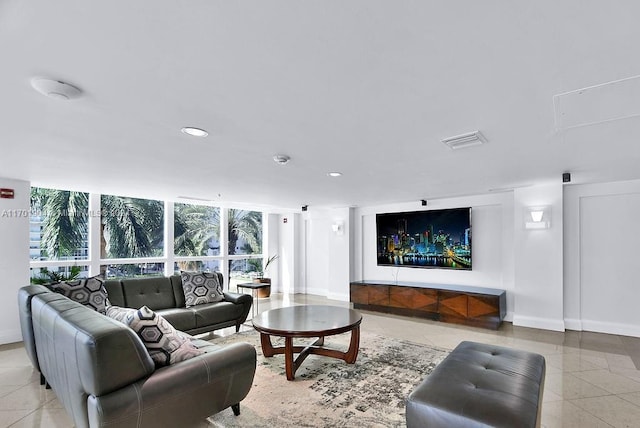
x,y
307,321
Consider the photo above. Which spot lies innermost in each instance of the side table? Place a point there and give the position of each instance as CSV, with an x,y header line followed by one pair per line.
x,y
254,286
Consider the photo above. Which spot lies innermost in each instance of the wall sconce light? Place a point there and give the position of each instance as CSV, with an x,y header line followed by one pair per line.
x,y
338,228
537,217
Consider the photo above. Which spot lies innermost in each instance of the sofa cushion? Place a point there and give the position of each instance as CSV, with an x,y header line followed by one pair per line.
x,y
165,344
215,314
180,318
154,292
200,288
114,291
88,291
178,292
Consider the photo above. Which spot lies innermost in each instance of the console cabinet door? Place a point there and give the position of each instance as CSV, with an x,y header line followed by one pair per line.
x,y
365,294
359,294
379,295
484,308
418,299
452,304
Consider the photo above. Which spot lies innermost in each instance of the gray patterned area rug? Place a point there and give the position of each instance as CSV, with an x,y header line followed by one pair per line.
x,y
328,392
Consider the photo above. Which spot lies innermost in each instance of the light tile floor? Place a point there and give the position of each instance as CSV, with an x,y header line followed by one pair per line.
x,y
592,379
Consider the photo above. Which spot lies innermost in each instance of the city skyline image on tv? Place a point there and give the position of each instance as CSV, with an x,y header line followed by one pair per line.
x,y
425,239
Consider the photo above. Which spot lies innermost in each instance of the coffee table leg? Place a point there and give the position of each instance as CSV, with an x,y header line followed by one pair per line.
x,y
288,358
267,348
352,353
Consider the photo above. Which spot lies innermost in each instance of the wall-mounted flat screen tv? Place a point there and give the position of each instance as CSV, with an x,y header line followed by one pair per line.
x,y
425,239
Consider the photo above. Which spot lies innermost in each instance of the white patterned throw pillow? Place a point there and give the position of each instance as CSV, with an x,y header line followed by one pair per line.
x,y
200,288
87,291
165,344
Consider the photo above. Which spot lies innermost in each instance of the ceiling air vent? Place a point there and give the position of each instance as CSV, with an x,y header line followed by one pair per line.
x,y
465,140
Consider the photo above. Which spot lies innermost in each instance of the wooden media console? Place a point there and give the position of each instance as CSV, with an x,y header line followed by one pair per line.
x,y
460,304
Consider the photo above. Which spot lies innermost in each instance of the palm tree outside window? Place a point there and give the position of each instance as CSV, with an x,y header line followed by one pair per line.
x,y
132,228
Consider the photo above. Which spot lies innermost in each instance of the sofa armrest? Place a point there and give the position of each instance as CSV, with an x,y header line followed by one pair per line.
x,y
180,394
238,299
25,294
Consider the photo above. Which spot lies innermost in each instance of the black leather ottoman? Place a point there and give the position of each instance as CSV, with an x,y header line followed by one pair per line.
x,y
480,385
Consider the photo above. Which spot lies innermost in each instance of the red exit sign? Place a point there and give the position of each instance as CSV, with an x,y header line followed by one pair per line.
x,y
6,193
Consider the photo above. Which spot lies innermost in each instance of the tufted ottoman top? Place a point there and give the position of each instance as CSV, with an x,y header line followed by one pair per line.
x,y
480,385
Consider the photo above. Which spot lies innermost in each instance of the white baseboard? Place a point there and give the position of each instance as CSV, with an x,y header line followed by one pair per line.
x,y
611,328
10,336
541,323
338,296
602,327
573,324
316,291
343,297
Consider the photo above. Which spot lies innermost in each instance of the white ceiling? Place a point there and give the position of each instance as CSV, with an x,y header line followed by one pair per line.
x,y
366,87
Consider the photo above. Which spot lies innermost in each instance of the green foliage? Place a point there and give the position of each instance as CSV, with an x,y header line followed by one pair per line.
x,y
134,227
246,225
131,227
45,276
269,261
65,220
195,227
256,265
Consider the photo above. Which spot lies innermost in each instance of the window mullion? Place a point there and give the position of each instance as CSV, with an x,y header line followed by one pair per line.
x,y
169,242
224,244
94,238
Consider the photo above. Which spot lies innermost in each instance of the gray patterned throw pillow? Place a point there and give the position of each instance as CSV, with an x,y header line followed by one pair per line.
x,y
200,288
165,344
87,291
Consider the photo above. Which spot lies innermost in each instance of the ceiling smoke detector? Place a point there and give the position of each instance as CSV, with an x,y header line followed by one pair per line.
x,y
281,159
465,140
55,88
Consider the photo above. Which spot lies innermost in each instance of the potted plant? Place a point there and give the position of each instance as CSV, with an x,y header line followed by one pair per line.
x,y
260,278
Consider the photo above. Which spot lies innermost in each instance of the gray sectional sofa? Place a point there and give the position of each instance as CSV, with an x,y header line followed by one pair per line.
x,y
103,375
165,296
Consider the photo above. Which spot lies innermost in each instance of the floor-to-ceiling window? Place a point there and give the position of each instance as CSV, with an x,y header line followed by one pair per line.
x,y
196,241
120,236
58,234
131,236
244,238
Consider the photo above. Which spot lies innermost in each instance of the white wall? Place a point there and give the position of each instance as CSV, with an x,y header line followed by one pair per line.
x,y
317,229
272,238
14,256
339,255
290,256
538,292
601,275
328,254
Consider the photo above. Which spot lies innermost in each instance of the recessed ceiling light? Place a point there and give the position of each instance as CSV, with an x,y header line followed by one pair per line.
x,y
334,174
194,132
